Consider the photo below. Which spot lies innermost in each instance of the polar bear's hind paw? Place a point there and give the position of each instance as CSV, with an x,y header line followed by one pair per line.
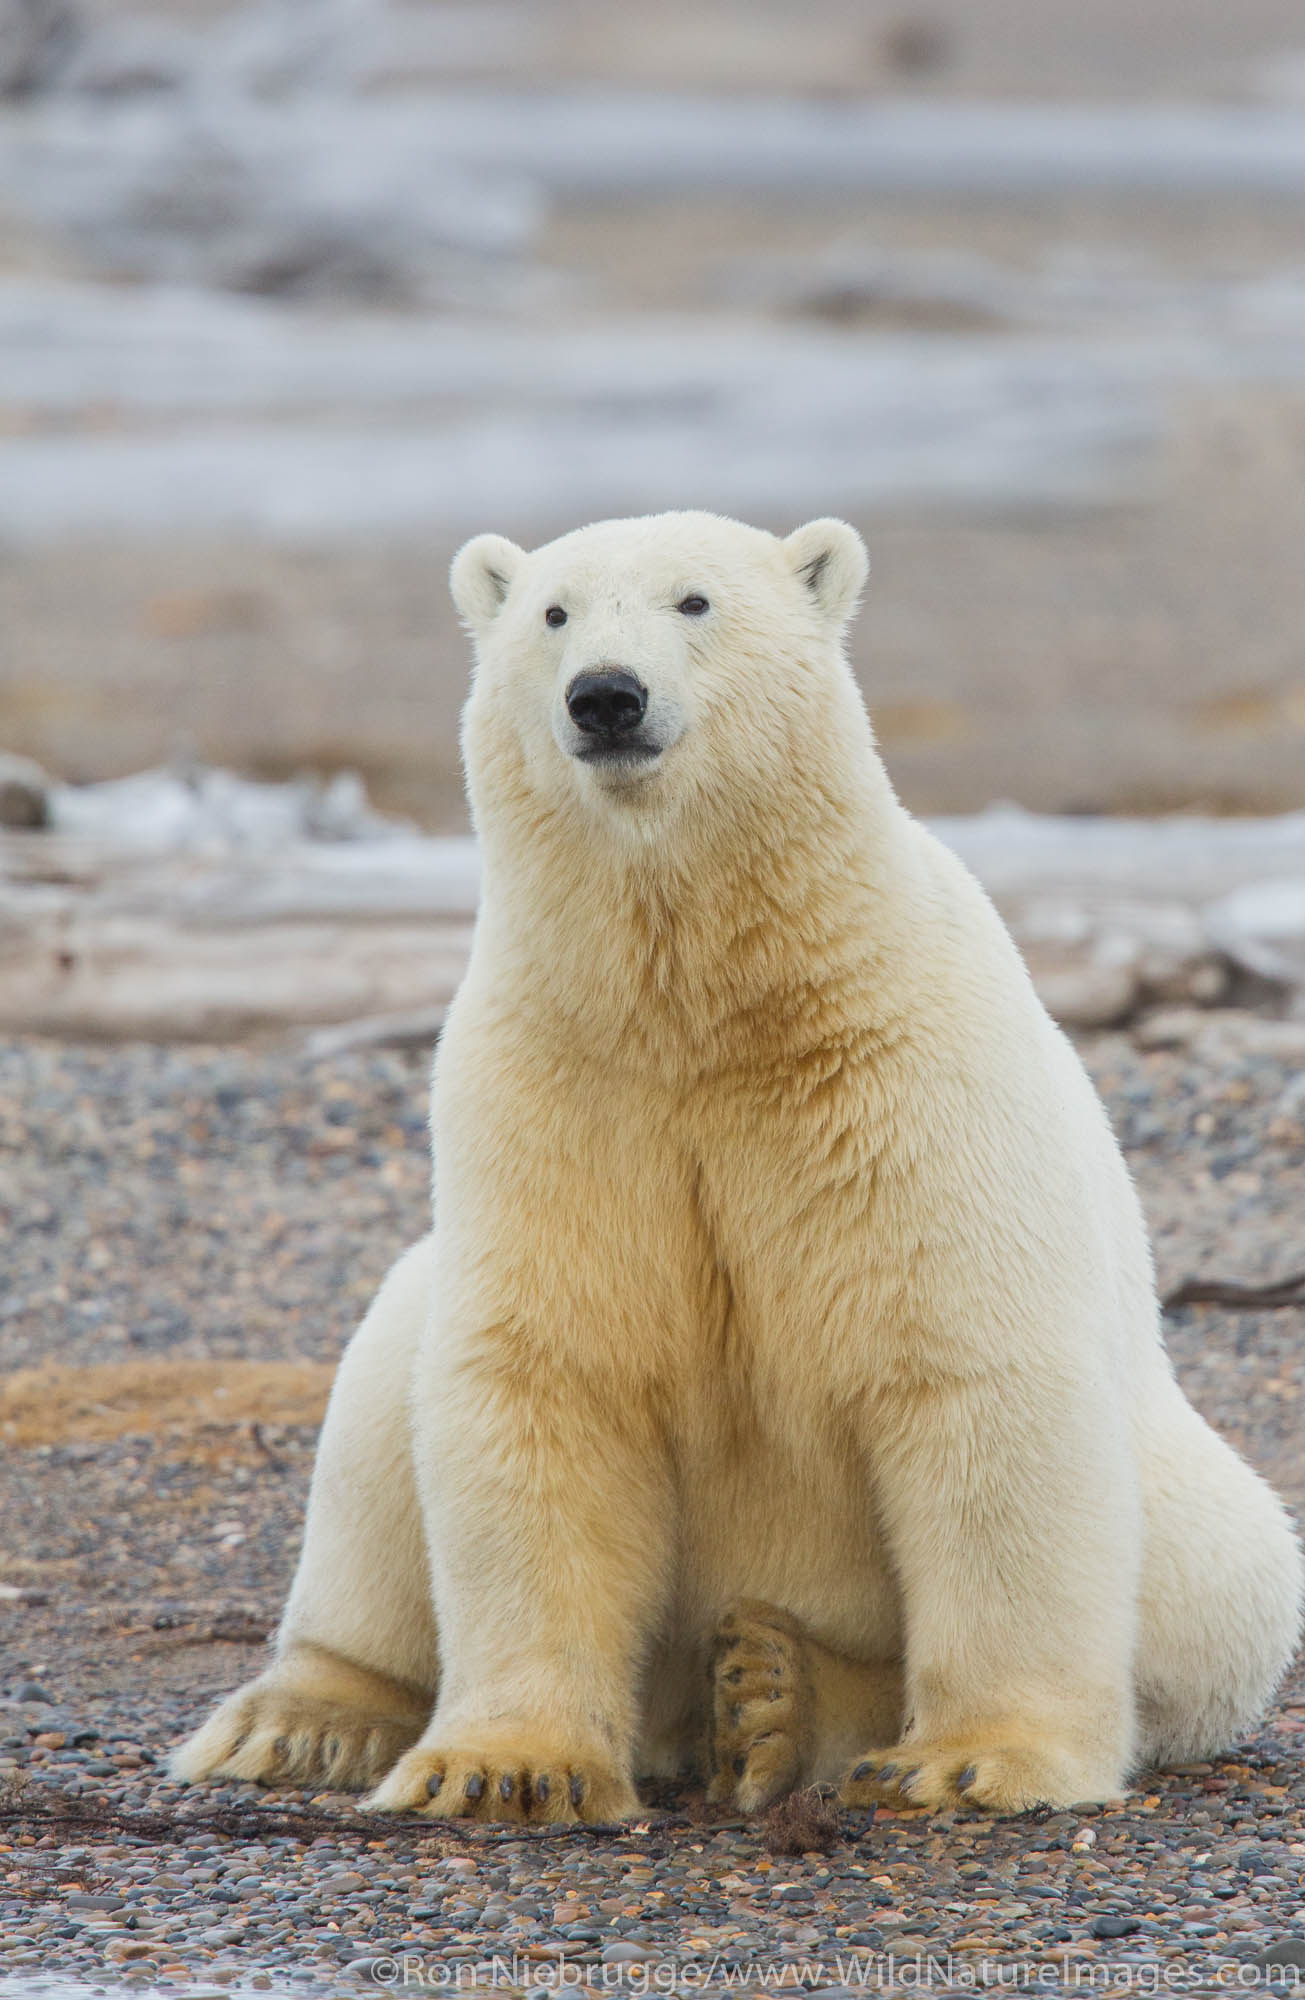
x,y
760,1707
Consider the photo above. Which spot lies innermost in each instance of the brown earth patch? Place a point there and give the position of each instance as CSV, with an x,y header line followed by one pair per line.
x,y
63,1405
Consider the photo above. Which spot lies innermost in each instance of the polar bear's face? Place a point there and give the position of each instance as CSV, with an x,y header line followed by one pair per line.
x,y
635,657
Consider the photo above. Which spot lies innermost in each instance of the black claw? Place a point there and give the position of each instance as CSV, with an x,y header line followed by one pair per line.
x,y
543,1786
966,1778
281,1747
740,1766
577,1791
434,1784
908,1778
861,1771
506,1786
475,1786
887,1771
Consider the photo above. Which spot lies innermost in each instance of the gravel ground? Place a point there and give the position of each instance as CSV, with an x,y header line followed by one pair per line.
x,y
143,1568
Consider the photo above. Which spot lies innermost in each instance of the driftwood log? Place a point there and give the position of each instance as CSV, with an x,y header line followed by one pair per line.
x,y
206,907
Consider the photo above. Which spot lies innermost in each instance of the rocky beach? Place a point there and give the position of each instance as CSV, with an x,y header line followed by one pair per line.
x,y
192,1233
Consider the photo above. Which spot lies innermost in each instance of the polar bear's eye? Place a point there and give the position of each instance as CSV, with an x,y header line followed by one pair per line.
x,y
693,606
555,615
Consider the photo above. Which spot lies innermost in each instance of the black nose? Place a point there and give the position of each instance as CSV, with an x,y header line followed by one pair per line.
x,y
606,704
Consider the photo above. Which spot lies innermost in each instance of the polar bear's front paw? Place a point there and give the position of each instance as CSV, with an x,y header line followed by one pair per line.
x,y
279,1735
1002,1777
761,1707
510,1775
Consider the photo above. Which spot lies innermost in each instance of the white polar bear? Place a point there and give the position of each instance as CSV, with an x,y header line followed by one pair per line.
x,y
784,1389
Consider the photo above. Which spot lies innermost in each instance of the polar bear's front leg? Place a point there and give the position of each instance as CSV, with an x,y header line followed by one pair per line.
x,y
547,1511
1012,1516
356,1665
311,1719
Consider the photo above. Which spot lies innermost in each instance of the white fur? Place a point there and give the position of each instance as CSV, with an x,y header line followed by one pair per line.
x,y
785,1256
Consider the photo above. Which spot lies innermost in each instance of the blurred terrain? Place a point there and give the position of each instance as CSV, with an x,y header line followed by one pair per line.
x,y
296,294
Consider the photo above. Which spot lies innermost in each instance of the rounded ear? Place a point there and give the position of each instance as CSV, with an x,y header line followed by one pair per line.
x,y
481,577
829,559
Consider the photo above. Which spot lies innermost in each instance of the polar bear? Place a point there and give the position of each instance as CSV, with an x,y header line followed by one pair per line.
x,y
782,1394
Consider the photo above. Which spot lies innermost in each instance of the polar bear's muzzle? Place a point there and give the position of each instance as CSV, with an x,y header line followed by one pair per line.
x,y
607,705
608,712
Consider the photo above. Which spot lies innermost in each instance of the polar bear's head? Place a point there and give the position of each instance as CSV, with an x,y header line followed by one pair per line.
x,y
640,664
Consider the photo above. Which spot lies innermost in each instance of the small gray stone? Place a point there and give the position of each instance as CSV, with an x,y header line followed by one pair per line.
x,y
1287,1951
625,1952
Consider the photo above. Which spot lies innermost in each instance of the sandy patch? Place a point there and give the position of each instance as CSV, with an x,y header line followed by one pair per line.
x,y
61,1405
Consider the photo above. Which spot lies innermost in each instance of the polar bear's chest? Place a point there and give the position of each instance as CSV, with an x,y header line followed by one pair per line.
x,y
804,1260
774,1486
776,1502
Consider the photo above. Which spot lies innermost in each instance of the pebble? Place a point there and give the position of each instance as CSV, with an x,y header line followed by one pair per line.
x,y
1114,1927
618,1953
1288,1951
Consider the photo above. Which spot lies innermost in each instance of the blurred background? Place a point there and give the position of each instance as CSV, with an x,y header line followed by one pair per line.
x,y
295,294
